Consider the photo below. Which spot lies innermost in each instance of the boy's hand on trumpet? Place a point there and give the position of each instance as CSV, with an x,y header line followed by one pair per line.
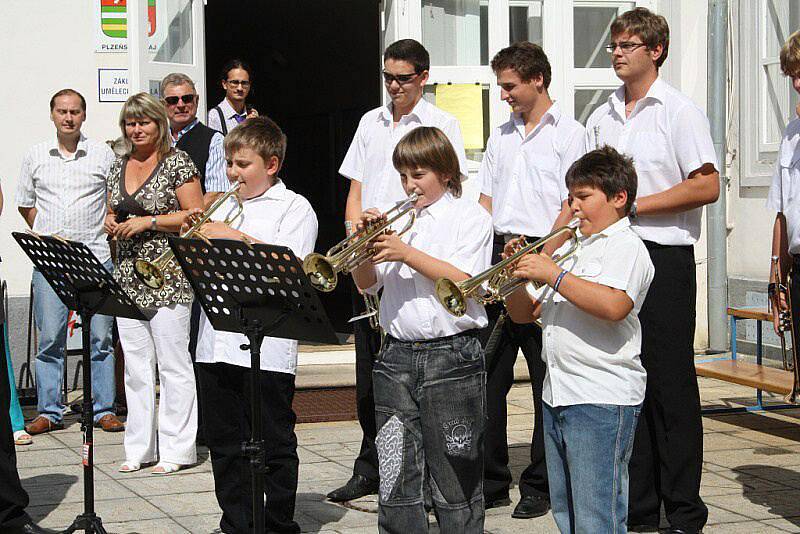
x,y
368,217
539,267
389,247
191,218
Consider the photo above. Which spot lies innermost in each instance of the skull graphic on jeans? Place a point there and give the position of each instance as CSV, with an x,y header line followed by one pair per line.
x,y
458,436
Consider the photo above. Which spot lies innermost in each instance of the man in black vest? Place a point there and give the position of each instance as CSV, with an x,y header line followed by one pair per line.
x,y
203,144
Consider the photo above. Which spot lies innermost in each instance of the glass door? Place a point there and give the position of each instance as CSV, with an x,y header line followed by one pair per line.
x,y
166,36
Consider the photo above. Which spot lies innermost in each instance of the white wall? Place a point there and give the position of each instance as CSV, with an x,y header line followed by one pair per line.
x,y
46,45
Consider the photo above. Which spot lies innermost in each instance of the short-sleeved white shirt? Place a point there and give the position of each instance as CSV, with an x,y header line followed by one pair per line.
x,y
369,158
589,360
784,194
68,192
455,230
278,217
524,174
668,137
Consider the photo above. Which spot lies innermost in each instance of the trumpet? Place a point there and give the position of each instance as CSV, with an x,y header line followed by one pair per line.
x,y
152,273
353,250
498,278
785,324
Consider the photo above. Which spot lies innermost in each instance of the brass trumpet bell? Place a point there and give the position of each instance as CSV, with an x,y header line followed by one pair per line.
x,y
152,273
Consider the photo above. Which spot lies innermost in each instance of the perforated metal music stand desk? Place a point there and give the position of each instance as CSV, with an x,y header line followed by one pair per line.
x,y
83,285
255,290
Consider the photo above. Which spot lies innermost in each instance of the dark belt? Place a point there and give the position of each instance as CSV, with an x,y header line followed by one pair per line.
x,y
652,245
474,332
501,238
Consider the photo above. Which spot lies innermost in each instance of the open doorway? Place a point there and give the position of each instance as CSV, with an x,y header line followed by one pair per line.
x,y
316,71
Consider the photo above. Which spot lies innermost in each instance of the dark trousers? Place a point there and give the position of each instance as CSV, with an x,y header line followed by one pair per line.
x,y
13,498
500,370
225,395
667,455
194,332
368,344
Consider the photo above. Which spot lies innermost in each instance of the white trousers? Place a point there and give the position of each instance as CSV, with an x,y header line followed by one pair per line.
x,y
165,338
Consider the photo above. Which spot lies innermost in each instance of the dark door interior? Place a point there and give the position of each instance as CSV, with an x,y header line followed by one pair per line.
x,y
316,71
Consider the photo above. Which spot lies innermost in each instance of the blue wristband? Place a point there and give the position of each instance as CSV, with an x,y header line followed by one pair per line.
x,y
558,280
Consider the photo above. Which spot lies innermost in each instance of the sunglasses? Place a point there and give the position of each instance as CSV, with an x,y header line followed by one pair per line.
x,y
401,79
173,100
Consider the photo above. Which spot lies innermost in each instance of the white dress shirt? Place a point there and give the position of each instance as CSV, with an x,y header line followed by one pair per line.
x,y
524,174
589,360
228,112
784,194
455,230
668,137
278,217
68,192
369,158
216,179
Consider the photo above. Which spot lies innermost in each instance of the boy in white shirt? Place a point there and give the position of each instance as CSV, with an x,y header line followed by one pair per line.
x,y
668,137
272,214
786,230
595,382
429,376
374,183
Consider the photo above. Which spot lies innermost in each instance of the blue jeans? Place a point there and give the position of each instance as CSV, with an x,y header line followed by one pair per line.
x,y
588,447
430,402
14,410
51,319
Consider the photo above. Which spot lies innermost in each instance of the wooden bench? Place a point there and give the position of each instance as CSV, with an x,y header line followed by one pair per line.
x,y
755,375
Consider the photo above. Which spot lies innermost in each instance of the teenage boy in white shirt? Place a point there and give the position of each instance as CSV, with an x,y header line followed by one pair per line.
x,y
272,214
522,177
786,230
595,382
668,137
374,183
429,376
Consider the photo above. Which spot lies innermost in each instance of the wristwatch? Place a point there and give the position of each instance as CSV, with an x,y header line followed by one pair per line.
x,y
153,223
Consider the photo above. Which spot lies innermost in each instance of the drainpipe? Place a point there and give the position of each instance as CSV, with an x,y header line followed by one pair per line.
x,y
715,213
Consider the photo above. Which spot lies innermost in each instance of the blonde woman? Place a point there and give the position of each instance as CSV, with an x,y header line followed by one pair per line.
x,y
151,189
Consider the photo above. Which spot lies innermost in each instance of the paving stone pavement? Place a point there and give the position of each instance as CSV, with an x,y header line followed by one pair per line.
x,y
751,473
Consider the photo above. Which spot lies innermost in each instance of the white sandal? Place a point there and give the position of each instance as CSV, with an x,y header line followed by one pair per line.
x,y
166,468
129,467
22,438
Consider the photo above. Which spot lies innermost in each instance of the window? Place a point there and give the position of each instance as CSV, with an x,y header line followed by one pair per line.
x,y
767,101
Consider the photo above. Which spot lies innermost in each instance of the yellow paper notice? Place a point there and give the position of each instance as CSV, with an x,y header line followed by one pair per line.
x,y
465,102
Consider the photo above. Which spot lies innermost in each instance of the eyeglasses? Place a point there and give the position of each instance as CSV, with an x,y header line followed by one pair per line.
x,y
625,46
173,100
401,79
236,83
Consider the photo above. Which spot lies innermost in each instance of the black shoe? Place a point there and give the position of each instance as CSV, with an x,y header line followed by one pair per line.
x,y
531,506
643,528
356,487
28,528
682,530
496,501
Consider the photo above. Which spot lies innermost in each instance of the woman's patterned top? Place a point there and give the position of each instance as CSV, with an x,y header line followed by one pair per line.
x,y
156,196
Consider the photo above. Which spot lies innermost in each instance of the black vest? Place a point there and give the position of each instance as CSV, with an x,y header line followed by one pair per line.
x,y
196,143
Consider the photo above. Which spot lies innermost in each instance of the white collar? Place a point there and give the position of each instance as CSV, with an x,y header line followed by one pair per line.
x,y
609,230
439,209
420,111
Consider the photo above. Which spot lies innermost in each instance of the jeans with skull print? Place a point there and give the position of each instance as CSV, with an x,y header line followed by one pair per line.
x,y
430,414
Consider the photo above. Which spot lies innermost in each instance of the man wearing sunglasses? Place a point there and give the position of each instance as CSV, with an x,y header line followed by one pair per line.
x,y
374,183
668,137
203,144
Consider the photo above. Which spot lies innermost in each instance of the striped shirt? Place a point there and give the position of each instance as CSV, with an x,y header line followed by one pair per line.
x,y
216,178
68,192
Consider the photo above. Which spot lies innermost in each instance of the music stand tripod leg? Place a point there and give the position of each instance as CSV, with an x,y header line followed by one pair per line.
x,y
88,521
254,448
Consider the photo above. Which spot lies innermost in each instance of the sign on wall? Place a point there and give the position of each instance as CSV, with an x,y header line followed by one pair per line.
x,y
112,85
111,25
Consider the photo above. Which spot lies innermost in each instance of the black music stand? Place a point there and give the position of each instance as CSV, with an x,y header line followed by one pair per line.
x,y
255,290
83,285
